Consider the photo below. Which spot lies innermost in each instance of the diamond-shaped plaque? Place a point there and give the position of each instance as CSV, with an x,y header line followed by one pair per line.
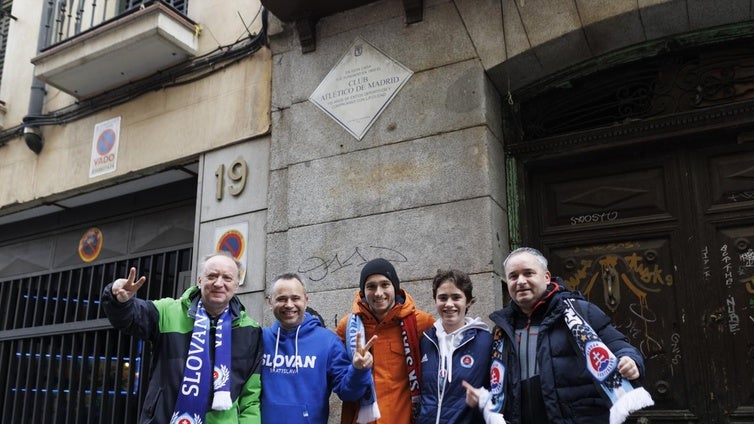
x,y
359,87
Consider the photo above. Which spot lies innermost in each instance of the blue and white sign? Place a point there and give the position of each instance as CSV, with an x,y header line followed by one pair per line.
x,y
105,147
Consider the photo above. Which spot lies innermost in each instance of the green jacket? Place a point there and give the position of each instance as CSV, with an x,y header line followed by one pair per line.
x,y
168,325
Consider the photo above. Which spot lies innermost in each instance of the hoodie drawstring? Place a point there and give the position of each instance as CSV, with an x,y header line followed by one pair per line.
x,y
277,344
296,351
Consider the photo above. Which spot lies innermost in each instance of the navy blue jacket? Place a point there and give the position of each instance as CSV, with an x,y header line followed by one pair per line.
x,y
570,394
470,362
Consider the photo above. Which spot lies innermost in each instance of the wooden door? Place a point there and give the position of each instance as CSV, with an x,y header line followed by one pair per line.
x,y
661,237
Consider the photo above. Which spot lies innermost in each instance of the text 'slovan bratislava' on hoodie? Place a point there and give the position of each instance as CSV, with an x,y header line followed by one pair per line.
x,y
301,367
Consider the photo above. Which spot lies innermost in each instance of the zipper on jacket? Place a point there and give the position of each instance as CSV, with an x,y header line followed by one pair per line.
x,y
442,377
442,374
526,355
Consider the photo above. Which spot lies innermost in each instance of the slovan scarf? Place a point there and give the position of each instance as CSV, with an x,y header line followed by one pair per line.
x,y
195,387
491,401
497,372
603,365
413,363
368,409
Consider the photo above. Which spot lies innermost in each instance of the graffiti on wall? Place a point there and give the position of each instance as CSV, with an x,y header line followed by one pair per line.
x,y
639,272
741,196
623,279
317,268
745,278
706,269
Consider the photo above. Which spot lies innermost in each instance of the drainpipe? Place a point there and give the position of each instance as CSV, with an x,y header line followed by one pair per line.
x,y
33,133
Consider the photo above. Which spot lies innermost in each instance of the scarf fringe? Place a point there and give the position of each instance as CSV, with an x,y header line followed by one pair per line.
x,y
221,401
486,406
632,401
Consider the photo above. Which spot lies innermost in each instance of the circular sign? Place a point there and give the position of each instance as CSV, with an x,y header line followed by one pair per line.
x,y
232,242
105,142
90,244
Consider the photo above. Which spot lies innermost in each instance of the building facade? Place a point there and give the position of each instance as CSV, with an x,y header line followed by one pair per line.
x,y
133,134
614,136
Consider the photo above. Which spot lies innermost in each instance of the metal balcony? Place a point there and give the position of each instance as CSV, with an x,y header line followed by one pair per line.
x,y
130,41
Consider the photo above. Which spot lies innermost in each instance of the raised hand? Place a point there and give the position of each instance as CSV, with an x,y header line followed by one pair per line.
x,y
125,288
362,358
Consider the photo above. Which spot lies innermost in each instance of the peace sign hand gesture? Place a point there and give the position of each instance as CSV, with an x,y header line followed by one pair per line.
x,y
362,358
125,288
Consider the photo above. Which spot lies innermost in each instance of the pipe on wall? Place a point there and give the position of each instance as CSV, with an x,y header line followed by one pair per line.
x,y
33,133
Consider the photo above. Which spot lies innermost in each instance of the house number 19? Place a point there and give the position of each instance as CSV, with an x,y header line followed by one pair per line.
x,y
237,172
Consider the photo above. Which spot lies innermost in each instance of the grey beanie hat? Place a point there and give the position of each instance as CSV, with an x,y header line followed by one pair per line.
x,y
382,267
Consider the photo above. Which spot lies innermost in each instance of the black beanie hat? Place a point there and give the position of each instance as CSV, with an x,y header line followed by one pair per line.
x,y
382,267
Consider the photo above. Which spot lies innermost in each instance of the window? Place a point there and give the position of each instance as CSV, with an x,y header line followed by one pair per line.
x,y
5,18
63,362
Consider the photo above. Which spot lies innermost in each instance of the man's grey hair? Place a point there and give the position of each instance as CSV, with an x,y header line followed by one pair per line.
x,y
530,250
220,253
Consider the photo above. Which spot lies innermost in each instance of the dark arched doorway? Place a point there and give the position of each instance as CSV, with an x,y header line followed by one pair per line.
x,y
638,183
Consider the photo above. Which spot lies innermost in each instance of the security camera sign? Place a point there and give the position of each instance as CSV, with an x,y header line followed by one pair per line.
x,y
105,147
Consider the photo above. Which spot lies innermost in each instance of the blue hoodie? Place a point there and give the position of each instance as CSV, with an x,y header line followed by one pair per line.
x,y
301,367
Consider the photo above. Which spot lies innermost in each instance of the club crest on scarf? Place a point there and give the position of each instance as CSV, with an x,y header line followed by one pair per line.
x,y
497,372
185,418
601,361
196,385
496,377
602,364
221,375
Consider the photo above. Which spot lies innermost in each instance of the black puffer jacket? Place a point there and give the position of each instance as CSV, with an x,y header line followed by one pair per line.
x,y
568,390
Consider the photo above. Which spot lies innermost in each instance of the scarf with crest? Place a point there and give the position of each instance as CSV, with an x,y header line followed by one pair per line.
x,y
195,387
603,366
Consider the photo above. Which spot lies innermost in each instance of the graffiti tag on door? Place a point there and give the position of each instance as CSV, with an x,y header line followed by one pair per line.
x,y
623,280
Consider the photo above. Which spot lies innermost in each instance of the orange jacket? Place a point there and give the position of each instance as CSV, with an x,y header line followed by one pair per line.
x,y
390,371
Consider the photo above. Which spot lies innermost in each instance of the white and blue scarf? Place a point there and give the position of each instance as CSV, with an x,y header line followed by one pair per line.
x,y
497,372
603,365
368,409
491,401
195,387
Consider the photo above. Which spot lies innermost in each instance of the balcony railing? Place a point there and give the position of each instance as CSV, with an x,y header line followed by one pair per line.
x,y
65,19
88,47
